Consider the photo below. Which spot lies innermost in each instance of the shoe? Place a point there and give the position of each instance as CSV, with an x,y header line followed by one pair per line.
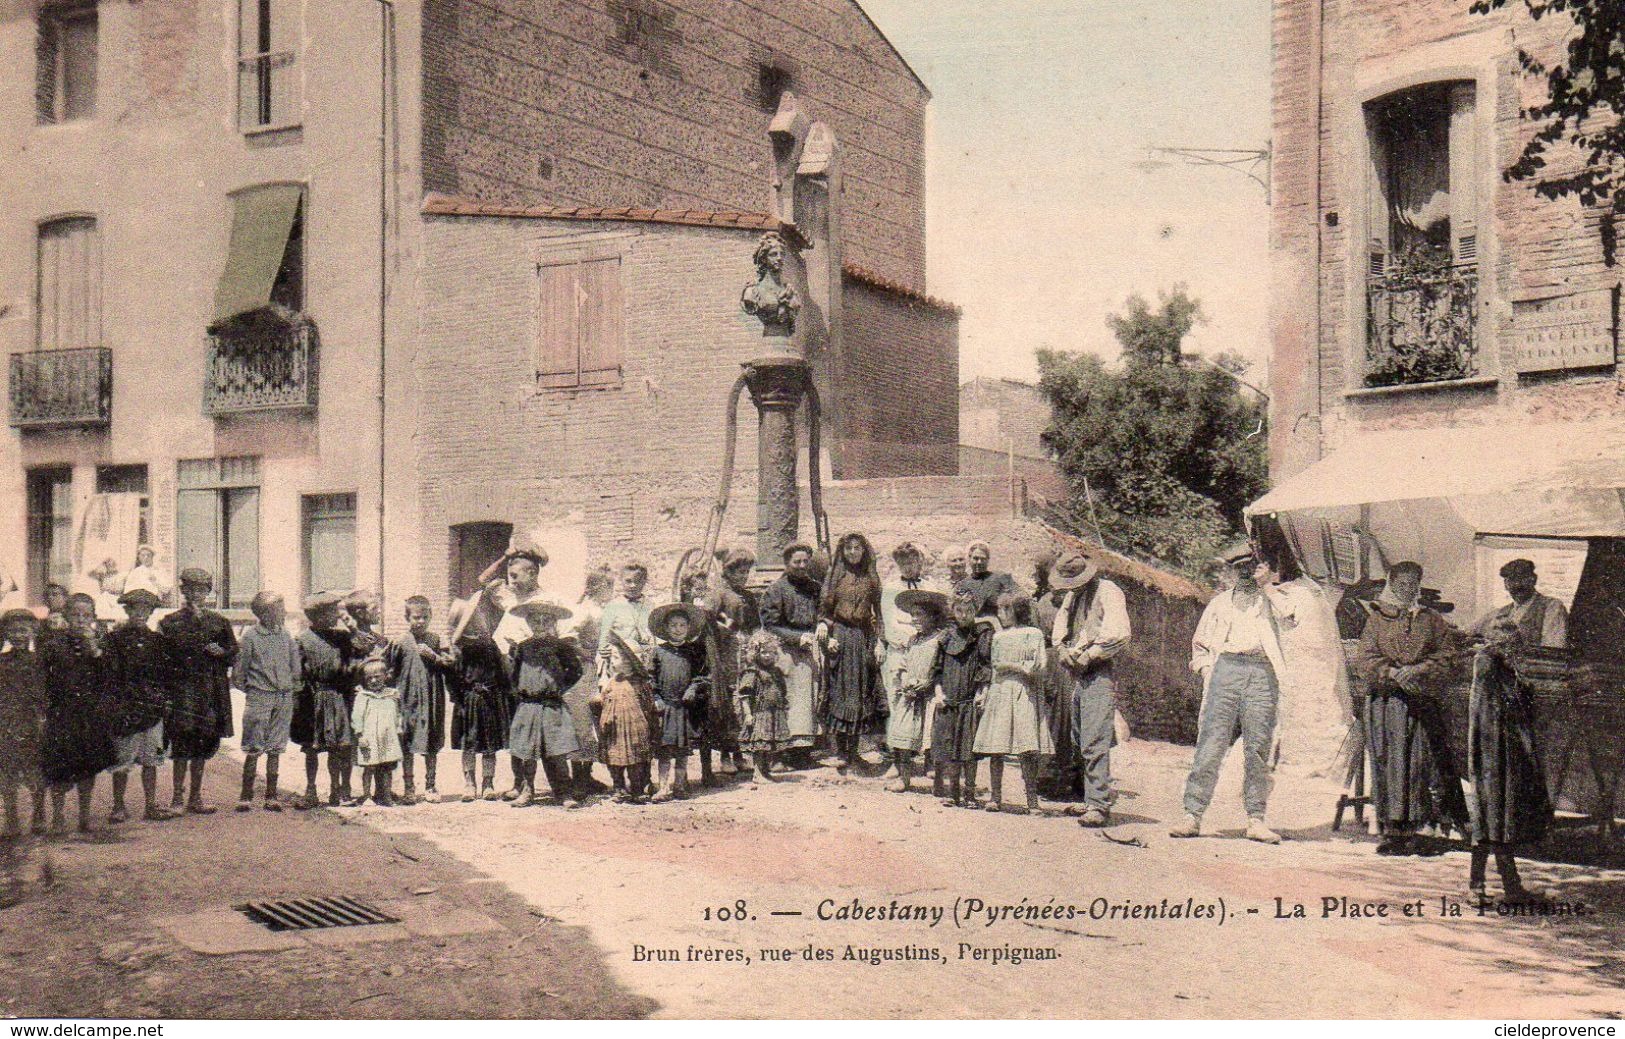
x,y
662,797
897,786
1520,896
117,816
512,794
993,806
1191,826
1257,831
156,814
1394,845
469,797
431,797
354,802
1015,810
245,805
570,804
1095,818
272,804
490,795
199,808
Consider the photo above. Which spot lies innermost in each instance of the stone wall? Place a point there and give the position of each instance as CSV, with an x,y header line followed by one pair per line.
x,y
658,104
1331,58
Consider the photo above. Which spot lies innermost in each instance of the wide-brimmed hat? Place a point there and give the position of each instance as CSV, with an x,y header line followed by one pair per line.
x,y
542,610
918,600
633,657
140,597
1237,552
738,557
1073,570
661,616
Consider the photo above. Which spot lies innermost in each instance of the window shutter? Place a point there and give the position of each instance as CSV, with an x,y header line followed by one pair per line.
x,y
601,321
1464,172
70,285
558,333
1377,214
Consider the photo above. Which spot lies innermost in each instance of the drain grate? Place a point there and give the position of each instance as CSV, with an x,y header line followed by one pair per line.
x,y
310,914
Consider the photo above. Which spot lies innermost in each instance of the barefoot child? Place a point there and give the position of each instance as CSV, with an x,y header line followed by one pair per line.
x,y
77,741
543,668
419,666
136,658
321,723
376,720
623,707
1012,721
962,672
681,684
269,674
762,701
22,719
913,686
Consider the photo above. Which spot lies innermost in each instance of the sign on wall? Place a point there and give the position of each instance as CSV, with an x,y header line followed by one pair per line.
x,y
1578,330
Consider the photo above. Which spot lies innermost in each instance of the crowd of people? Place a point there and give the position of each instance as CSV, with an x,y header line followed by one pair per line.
x,y
938,674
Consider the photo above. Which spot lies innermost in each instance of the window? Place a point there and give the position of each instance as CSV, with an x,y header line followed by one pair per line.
x,y
68,288
217,524
1422,216
65,63
580,327
771,83
268,91
328,522
644,34
128,479
50,529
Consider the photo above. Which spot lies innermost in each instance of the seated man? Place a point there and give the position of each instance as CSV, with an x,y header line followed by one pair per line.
x,y
1404,660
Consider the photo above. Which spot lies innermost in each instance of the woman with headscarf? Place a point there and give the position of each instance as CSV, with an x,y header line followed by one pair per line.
x,y
849,630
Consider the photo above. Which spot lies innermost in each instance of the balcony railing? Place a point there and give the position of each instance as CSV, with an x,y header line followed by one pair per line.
x,y
59,388
1422,325
267,91
262,361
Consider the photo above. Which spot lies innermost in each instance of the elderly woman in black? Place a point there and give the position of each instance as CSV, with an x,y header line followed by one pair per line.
x,y
848,628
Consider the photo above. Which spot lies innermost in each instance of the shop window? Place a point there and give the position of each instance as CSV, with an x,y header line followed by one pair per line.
x,y
50,529
328,522
268,89
65,63
68,285
217,524
580,328
1422,257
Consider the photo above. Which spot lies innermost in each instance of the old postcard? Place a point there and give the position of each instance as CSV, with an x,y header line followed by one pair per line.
x,y
785,509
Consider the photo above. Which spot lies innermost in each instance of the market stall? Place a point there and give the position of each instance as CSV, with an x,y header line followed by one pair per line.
x,y
1462,502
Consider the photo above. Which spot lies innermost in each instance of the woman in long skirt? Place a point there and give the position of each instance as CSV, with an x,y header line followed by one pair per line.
x,y
1510,805
848,627
1012,722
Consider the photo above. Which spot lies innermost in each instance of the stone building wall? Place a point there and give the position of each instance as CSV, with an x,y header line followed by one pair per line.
x,y
660,104
1535,256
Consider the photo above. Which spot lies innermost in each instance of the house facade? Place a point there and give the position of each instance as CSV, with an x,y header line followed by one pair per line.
x,y
337,294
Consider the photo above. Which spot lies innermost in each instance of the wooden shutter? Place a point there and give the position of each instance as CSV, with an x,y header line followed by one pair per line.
x,y
1464,172
601,321
581,316
70,285
1377,219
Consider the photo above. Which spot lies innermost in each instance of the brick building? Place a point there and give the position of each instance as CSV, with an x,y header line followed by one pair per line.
x,y
342,308
1001,428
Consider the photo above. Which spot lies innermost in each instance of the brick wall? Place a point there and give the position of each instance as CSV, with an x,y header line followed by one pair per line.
x,y
547,101
1330,59
995,412
898,380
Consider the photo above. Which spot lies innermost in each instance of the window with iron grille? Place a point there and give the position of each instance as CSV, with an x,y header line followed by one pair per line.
x,y
217,524
268,86
65,62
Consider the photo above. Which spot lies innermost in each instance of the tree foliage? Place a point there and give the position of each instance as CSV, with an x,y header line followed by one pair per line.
x,y
1162,450
1584,106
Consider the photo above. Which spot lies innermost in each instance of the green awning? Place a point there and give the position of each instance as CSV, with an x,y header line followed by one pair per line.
x,y
261,221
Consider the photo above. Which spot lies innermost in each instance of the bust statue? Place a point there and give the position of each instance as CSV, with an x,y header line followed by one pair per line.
x,y
768,298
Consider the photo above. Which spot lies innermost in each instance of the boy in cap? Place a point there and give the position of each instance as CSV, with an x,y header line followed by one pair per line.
x,y
135,658
321,718
202,649
22,718
269,673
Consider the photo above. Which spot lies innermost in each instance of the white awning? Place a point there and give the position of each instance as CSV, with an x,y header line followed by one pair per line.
x,y
1532,463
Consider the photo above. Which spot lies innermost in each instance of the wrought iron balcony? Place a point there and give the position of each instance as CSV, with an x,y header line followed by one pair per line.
x,y
61,388
1422,325
264,360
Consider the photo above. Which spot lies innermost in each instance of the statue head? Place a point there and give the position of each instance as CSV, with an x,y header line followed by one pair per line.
x,y
768,298
769,255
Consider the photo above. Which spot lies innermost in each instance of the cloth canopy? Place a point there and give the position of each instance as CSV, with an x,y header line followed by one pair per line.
x,y
1520,473
261,221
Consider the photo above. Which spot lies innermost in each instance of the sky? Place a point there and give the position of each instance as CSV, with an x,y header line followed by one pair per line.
x,y
1040,222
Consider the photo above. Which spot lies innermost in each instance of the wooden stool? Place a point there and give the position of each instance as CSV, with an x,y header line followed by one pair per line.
x,y
1354,795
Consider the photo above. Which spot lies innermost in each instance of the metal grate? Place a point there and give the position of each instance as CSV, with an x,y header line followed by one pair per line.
x,y
310,914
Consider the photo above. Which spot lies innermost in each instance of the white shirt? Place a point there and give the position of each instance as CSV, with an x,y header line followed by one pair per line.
x,y
1258,628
